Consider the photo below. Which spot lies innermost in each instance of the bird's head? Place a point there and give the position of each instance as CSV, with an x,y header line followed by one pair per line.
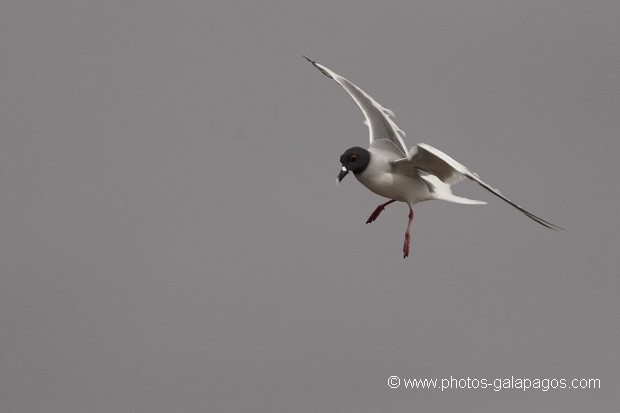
x,y
354,160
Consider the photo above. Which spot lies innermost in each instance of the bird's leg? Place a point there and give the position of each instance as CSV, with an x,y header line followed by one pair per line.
x,y
377,211
407,236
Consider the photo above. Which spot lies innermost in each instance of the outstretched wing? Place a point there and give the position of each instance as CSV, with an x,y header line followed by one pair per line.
x,y
384,133
435,162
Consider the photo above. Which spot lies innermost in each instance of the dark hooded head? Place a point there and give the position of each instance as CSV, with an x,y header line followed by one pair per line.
x,y
354,160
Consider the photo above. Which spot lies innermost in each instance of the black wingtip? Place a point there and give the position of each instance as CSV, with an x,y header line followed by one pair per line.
x,y
555,227
315,64
541,221
527,213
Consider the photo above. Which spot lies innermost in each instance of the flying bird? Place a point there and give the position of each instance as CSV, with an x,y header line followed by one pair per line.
x,y
392,171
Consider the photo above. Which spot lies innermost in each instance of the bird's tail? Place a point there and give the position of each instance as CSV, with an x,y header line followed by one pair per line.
x,y
461,200
443,191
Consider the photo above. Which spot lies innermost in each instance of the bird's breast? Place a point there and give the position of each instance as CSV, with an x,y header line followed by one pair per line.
x,y
410,189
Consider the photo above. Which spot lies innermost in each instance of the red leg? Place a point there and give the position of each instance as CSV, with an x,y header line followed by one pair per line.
x,y
407,236
377,211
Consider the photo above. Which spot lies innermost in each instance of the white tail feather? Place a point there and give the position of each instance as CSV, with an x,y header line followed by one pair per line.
x,y
443,191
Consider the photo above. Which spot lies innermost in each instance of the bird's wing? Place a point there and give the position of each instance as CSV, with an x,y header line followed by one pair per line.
x,y
385,135
433,161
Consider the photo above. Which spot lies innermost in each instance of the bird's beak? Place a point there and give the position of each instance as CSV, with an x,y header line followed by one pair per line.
x,y
343,172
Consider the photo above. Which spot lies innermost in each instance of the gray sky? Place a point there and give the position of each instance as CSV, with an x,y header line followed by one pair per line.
x,y
171,238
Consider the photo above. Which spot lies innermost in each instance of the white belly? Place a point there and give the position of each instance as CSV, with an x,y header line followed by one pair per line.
x,y
399,187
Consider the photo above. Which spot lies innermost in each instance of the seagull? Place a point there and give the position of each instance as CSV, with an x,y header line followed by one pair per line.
x,y
392,171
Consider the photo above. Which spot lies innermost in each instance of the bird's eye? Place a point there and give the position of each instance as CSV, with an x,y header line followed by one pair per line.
x,y
353,158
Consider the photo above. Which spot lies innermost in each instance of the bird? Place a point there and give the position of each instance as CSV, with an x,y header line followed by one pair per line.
x,y
389,169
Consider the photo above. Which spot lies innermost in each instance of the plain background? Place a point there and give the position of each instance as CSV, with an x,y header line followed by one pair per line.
x,y
172,239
